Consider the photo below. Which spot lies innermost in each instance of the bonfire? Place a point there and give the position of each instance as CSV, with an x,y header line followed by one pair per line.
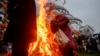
x,y
45,44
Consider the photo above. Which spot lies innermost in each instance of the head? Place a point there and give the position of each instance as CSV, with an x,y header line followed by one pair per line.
x,y
1,17
54,13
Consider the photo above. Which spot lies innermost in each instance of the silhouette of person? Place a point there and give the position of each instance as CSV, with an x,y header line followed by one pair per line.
x,y
21,30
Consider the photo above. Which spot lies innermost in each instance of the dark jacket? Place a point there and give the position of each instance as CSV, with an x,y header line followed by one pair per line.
x,y
22,25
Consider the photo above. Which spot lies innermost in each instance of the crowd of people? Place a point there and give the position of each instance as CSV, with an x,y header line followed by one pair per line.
x,y
87,44
4,48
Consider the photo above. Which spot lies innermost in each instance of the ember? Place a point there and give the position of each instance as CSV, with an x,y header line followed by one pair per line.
x,y
45,44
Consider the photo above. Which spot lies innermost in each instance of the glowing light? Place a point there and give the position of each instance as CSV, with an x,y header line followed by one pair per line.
x,y
44,45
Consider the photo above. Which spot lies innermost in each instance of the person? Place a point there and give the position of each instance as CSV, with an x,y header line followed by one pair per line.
x,y
61,21
21,30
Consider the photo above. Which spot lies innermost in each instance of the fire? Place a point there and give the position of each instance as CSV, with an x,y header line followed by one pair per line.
x,y
45,44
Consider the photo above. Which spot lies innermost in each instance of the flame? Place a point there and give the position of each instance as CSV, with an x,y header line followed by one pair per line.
x,y
45,44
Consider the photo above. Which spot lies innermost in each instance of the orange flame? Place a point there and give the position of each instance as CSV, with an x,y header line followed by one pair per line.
x,y
44,45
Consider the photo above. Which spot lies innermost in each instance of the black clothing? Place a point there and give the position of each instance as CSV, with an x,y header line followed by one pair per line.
x,y
21,29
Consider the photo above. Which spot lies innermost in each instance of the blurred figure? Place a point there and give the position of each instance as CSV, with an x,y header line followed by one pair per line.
x,y
21,30
90,47
61,21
